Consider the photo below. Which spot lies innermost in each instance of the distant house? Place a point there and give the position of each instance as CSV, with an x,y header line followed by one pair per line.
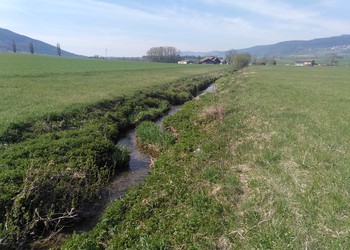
x,y
185,62
259,63
210,60
305,63
223,62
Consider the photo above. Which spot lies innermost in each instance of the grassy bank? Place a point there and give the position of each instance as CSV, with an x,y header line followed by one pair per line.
x,y
262,163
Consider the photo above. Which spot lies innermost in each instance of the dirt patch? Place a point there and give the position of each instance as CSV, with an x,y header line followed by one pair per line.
x,y
224,243
243,172
216,112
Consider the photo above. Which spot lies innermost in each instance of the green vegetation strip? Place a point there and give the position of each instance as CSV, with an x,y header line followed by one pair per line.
x,y
262,164
33,87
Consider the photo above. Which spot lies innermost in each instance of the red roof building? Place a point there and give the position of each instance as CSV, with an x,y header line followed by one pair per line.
x,y
210,60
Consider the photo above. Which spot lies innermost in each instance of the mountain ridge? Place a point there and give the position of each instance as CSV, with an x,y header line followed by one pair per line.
x,y
299,48
318,46
7,37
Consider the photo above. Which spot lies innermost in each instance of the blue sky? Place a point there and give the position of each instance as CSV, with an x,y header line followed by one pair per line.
x,y
131,27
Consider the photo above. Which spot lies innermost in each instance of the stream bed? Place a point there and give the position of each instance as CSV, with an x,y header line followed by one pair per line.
x,y
139,164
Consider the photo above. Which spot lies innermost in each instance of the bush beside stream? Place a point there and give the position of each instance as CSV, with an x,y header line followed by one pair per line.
x,y
152,139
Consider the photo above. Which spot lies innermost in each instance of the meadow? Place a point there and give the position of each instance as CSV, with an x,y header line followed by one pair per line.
x,y
261,164
32,86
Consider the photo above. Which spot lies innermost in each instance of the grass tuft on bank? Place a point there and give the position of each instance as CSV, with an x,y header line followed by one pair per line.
x,y
152,139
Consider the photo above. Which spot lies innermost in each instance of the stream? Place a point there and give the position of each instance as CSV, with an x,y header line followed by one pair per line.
x,y
139,164
139,167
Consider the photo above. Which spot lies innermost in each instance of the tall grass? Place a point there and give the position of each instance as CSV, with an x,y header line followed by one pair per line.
x,y
152,139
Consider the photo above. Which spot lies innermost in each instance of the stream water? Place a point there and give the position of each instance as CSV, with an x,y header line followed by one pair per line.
x,y
139,167
139,164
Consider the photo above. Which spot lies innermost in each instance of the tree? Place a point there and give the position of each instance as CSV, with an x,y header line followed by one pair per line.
x,y
265,60
31,47
59,51
269,60
163,54
240,61
229,55
254,60
14,46
333,59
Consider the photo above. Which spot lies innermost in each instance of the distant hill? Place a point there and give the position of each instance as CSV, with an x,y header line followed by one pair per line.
x,y
216,53
22,44
315,47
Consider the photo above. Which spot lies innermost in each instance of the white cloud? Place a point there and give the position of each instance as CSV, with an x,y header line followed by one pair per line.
x,y
300,20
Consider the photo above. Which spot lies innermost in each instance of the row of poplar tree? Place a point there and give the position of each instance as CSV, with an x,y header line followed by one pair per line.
x,y
31,48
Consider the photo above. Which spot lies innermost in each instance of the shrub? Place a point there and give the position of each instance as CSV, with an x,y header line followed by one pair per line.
x,y
241,60
66,171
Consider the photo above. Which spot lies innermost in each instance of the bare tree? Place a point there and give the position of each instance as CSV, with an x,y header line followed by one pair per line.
x,y
269,60
59,51
163,54
229,55
265,60
333,59
240,61
31,47
14,46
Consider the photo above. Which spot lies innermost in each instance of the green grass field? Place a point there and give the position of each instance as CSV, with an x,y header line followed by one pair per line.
x,y
60,122
261,164
32,86
297,172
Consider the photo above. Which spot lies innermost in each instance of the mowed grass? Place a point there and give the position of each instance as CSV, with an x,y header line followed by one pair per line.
x,y
294,158
32,86
261,164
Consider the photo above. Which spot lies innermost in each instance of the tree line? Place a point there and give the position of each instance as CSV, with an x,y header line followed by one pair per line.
x,y
163,54
172,55
31,48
